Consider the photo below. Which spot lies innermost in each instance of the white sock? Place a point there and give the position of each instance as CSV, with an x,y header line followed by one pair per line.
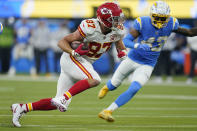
x,y
24,107
113,106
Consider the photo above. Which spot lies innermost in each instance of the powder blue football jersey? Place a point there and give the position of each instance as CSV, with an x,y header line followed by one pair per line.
x,y
152,36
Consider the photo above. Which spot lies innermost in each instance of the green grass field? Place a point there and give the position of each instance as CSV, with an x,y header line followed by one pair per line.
x,y
155,107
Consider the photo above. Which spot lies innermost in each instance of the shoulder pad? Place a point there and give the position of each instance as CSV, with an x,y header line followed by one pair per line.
x,y
138,24
139,21
175,23
87,27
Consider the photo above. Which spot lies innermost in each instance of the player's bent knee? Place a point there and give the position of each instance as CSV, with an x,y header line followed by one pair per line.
x,y
93,82
142,81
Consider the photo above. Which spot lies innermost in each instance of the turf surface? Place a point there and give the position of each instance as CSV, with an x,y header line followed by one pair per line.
x,y
155,107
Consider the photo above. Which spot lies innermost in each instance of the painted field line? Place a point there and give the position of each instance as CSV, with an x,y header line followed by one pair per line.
x,y
7,89
104,80
161,96
109,125
130,108
120,116
86,103
153,96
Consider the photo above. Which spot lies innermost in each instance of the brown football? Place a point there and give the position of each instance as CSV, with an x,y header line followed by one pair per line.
x,y
75,44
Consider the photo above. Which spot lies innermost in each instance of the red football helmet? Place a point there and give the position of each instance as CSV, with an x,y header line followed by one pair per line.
x,y
110,14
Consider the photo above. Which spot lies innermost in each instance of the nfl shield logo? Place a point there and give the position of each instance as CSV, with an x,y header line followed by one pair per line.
x,y
113,37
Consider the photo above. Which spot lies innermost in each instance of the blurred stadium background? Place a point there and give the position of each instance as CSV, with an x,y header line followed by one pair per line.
x,y
167,102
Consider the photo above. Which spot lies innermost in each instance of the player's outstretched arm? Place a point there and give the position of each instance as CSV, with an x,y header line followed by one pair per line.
x,y
187,32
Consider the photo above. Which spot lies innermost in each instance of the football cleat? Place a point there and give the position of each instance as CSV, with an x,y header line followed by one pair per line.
x,y
61,103
17,113
103,92
106,115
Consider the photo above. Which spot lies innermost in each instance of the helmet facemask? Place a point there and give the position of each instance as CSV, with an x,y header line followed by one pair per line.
x,y
160,14
159,21
116,21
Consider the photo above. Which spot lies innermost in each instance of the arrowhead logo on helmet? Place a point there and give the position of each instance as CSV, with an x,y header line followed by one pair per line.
x,y
106,11
110,15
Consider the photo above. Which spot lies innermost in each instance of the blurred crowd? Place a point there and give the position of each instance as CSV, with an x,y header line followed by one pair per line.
x,y
178,57
30,46
31,41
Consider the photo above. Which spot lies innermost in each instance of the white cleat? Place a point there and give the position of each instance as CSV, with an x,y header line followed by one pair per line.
x,y
17,113
61,103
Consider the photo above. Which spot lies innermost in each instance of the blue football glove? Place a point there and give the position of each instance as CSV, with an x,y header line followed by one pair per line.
x,y
142,47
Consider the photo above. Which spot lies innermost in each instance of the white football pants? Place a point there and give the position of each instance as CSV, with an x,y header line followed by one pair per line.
x,y
141,73
73,70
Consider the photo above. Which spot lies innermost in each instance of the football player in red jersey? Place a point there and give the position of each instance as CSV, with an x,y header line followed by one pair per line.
x,y
77,73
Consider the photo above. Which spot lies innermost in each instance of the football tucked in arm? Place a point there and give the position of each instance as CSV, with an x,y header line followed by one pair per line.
x,y
79,49
74,45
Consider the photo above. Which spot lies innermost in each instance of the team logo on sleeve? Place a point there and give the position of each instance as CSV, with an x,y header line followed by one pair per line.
x,y
113,37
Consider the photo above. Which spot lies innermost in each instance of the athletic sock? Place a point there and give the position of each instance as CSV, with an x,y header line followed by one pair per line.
x,y
43,104
112,107
77,88
110,86
127,95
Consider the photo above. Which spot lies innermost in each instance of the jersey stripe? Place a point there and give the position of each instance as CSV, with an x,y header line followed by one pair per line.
x,y
27,107
139,21
81,67
30,106
68,94
81,32
174,21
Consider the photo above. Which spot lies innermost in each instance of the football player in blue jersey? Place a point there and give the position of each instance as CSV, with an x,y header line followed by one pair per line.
x,y
152,32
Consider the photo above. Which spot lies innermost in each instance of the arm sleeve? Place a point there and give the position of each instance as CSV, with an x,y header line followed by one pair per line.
x,y
128,41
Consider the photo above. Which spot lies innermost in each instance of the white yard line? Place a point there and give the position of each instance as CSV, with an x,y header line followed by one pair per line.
x,y
85,103
104,80
161,96
108,125
28,78
130,108
155,96
7,89
120,116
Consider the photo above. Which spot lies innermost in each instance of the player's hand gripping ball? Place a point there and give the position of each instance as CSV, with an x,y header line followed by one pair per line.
x,y
79,48
1,28
75,45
